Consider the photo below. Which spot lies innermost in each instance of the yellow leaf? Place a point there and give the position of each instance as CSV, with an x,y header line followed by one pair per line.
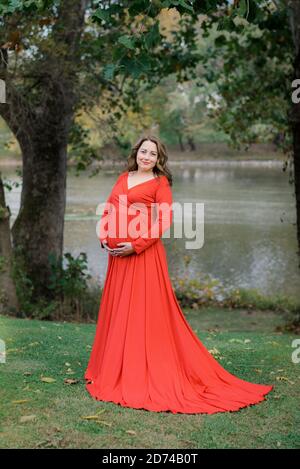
x,y
91,417
27,418
20,401
71,381
103,422
48,380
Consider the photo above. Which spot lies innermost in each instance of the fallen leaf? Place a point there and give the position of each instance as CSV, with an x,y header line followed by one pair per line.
x,y
71,381
20,401
103,422
27,418
48,380
91,417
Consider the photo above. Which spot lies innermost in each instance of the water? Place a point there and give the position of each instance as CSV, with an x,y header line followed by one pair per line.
x,y
249,222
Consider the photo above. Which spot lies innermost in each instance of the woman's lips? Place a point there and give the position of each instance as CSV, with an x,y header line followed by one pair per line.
x,y
144,162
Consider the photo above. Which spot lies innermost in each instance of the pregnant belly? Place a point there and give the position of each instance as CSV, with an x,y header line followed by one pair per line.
x,y
113,242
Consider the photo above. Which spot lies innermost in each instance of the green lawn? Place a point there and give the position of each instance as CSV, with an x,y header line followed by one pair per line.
x,y
51,415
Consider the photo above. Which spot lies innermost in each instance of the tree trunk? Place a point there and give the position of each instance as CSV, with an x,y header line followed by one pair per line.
x,y
180,141
191,143
38,229
42,131
8,297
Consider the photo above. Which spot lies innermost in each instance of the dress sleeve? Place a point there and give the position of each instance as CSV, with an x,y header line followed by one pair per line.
x,y
164,217
103,220
103,237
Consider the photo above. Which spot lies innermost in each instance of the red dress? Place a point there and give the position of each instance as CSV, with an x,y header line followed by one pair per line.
x,y
145,354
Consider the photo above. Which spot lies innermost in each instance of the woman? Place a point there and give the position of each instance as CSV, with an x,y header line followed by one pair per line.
x,y
145,354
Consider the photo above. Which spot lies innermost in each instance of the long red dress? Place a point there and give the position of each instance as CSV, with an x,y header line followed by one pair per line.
x,y
145,354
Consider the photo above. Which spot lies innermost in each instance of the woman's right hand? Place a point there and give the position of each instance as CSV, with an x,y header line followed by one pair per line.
x,y
109,250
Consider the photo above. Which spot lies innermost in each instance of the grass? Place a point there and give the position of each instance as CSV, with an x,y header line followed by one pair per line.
x,y
53,411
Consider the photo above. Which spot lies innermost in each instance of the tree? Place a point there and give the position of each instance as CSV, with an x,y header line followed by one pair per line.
x,y
56,56
252,66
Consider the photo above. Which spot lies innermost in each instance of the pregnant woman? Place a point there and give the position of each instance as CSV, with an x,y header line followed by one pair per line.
x,y
145,354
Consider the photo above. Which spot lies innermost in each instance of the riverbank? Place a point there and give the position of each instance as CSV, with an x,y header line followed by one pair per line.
x,y
205,153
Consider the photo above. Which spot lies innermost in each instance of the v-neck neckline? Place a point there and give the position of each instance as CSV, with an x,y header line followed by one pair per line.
x,y
140,183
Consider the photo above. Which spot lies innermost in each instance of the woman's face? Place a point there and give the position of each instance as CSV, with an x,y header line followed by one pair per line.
x,y
147,156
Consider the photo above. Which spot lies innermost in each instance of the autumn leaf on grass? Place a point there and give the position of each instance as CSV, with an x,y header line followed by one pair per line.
x,y
45,379
284,378
214,351
96,418
130,432
20,401
71,381
27,418
103,422
90,417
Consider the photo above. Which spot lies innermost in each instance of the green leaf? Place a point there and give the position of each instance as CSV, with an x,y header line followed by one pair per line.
x,y
126,41
152,37
242,8
185,5
101,14
109,71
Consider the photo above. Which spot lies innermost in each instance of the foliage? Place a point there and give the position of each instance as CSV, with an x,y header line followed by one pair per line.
x,y
250,66
208,291
69,283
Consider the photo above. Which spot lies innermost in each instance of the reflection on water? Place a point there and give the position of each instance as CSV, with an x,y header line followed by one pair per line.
x,y
249,222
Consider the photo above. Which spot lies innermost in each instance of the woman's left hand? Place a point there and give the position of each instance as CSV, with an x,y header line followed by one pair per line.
x,y
126,250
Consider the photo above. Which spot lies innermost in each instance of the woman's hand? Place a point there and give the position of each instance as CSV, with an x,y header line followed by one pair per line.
x,y
125,250
105,245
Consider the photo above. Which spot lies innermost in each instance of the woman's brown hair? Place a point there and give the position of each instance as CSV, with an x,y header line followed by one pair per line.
x,y
161,167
